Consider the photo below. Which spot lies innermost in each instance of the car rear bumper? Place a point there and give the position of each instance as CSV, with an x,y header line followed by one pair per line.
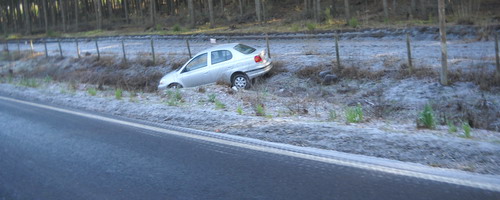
x,y
259,71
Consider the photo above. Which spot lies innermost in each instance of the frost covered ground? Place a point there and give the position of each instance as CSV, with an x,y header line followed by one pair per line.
x,y
297,110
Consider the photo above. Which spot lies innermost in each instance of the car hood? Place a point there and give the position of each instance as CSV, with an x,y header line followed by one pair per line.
x,y
167,79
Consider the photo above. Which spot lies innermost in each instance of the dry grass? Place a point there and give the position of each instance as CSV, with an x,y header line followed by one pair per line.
x,y
278,68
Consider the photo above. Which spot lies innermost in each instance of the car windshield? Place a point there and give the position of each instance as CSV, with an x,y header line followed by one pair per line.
x,y
244,49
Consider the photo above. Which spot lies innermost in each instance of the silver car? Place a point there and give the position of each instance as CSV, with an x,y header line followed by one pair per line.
x,y
234,63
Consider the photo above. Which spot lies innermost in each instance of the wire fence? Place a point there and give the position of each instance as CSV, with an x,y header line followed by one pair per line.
x,y
308,50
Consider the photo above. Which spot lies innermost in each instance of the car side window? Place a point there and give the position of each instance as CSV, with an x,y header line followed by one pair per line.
x,y
221,56
197,63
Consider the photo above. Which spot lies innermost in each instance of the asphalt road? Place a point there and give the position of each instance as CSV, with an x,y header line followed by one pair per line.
x,y
46,154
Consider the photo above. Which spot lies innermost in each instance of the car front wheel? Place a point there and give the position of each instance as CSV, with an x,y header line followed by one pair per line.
x,y
241,81
175,85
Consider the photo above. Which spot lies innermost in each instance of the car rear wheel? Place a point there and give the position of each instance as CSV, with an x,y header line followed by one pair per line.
x,y
241,81
175,85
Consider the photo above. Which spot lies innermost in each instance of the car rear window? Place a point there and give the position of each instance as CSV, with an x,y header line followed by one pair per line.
x,y
244,49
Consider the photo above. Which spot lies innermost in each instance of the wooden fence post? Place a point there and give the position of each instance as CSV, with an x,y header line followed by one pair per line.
x,y
189,48
124,54
7,49
337,53
60,48
444,49
32,48
45,47
98,52
268,49
77,49
408,47
497,56
153,50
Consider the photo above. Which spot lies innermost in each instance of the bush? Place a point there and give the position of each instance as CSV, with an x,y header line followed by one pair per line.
x,y
118,94
174,98
426,118
212,98
176,28
219,105
332,115
311,26
92,91
259,110
239,110
452,128
467,130
29,83
353,22
354,114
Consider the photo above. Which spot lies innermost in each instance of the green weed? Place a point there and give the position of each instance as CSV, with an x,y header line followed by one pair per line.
x,y
332,115
239,110
426,118
259,110
92,91
33,83
212,98
219,105
467,130
174,98
353,22
311,26
354,114
452,128
118,94
47,79
177,28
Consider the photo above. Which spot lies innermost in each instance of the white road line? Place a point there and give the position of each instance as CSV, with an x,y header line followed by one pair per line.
x,y
367,166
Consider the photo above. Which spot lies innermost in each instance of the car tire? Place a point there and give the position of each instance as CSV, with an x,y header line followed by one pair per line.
x,y
175,86
241,81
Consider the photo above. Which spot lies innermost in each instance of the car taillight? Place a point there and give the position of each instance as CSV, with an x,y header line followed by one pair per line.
x,y
257,59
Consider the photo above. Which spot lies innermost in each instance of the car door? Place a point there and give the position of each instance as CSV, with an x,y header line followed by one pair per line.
x,y
196,72
221,64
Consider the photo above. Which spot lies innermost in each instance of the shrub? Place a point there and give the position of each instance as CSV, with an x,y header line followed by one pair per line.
x,y
332,115
118,94
239,110
311,26
219,105
174,98
211,98
176,28
353,22
259,110
29,83
354,114
426,118
467,130
92,91
47,79
452,128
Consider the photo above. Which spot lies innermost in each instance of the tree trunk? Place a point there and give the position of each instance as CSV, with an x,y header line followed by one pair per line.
x,y
125,7
109,3
63,16
347,11
444,50
317,10
27,20
394,7
258,11
4,20
241,8
152,13
98,11
211,12
45,16
77,17
386,9
52,8
191,13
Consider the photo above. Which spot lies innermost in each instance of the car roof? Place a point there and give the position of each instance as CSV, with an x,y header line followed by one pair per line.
x,y
219,47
